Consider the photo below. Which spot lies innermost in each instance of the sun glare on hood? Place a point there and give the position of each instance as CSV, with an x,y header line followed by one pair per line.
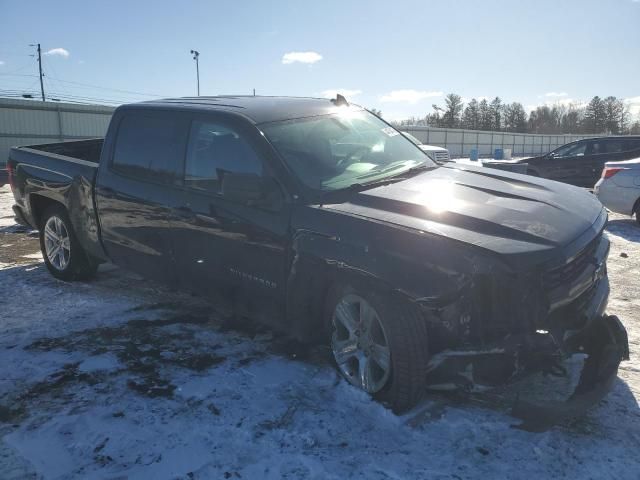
x,y
438,196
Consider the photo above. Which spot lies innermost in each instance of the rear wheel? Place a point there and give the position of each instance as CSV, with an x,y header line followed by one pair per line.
x,y
379,345
62,253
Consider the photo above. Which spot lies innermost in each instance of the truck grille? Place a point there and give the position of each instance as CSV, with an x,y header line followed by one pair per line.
x,y
442,156
570,271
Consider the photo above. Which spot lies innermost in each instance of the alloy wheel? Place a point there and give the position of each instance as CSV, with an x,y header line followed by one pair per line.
x,y
57,244
360,345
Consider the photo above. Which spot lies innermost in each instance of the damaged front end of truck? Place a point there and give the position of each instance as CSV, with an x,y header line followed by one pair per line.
x,y
514,325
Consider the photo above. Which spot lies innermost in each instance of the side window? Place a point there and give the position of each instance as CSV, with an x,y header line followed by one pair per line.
x,y
573,150
562,151
616,146
596,147
631,145
150,147
215,149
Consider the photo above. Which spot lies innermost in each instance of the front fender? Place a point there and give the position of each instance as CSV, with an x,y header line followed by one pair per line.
x,y
433,272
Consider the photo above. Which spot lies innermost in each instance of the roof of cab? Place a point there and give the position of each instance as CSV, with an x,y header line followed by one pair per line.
x,y
258,109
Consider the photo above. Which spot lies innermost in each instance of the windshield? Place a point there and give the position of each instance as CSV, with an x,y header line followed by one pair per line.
x,y
335,151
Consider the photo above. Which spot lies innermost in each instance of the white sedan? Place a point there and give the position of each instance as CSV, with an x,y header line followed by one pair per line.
x,y
619,187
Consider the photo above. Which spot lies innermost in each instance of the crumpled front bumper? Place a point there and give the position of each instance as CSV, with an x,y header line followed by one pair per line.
x,y
605,342
602,338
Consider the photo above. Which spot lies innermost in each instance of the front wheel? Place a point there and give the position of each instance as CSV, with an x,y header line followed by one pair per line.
x,y
379,345
62,253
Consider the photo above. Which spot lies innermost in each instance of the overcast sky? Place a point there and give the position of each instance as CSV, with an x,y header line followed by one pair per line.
x,y
398,56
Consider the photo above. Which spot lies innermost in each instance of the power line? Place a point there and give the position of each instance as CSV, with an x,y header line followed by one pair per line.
x,y
111,89
64,97
89,85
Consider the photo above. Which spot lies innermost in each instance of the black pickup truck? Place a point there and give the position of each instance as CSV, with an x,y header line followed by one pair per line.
x,y
322,220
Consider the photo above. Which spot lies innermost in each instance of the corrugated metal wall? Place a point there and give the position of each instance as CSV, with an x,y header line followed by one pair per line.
x,y
460,142
27,122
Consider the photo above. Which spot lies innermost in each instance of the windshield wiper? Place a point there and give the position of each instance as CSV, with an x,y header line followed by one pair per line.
x,y
361,186
423,167
417,168
338,195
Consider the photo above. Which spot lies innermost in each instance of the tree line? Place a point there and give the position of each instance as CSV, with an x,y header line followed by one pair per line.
x,y
607,115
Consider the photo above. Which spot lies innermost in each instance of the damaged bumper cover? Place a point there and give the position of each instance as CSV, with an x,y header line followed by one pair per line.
x,y
602,338
605,342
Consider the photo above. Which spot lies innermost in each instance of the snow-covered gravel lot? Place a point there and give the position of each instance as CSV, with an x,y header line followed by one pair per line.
x,y
119,378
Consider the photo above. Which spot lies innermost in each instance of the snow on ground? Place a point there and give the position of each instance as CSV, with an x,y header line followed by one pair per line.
x,y
120,378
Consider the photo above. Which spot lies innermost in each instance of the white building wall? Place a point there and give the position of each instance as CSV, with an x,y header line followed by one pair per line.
x,y
28,122
459,142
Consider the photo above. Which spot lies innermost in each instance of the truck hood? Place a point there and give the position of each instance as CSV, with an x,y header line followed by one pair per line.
x,y
503,212
633,163
431,148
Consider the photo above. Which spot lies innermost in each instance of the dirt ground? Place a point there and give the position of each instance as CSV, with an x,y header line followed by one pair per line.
x,y
120,378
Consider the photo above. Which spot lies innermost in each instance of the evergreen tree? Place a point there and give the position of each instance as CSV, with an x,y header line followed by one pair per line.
x,y
515,118
484,112
452,111
496,113
471,115
594,116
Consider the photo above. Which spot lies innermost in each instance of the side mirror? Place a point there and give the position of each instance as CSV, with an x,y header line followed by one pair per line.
x,y
251,190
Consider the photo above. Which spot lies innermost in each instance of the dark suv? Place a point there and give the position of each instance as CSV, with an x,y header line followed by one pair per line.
x,y
580,163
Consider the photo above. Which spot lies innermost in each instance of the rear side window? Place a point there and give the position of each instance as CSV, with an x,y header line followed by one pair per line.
x,y
615,146
633,144
215,149
150,147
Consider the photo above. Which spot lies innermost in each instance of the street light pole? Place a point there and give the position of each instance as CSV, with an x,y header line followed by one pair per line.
x,y
196,54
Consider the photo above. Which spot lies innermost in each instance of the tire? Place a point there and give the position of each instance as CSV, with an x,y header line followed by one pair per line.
x,y
70,262
404,333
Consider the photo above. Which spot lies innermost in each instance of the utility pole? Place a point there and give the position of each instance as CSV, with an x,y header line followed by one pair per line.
x,y
196,54
39,68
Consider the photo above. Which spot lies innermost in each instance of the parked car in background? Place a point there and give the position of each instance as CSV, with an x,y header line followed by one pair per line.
x,y
319,218
619,187
581,162
439,155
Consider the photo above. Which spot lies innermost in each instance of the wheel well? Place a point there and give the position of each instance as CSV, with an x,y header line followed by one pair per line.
x,y
636,207
39,204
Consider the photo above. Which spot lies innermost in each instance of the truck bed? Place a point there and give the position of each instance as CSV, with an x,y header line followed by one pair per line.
x,y
62,172
88,150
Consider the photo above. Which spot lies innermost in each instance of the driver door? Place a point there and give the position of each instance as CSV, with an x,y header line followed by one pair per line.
x,y
233,253
569,165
